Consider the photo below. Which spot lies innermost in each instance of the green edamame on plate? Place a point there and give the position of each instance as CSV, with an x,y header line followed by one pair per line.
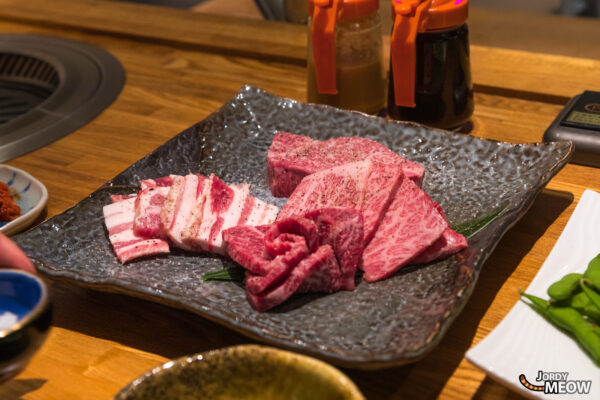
x,y
574,306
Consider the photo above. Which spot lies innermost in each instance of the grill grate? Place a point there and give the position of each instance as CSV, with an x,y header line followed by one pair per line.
x,y
25,82
50,87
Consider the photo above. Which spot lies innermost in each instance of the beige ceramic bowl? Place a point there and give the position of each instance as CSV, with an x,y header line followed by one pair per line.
x,y
243,373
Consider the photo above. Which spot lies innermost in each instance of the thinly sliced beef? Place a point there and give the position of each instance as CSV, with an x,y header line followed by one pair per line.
x,y
292,157
410,225
148,206
342,229
317,252
321,260
221,209
449,243
366,186
294,225
118,218
245,246
280,267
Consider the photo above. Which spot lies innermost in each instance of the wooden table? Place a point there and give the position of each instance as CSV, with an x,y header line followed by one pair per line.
x,y
182,66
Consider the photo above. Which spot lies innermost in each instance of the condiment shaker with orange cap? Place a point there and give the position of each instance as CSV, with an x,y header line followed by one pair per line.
x,y
430,74
345,60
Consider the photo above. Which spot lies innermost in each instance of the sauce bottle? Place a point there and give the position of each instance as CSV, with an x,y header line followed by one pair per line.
x,y
430,74
345,59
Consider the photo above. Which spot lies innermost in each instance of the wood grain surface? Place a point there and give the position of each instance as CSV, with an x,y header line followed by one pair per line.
x,y
100,342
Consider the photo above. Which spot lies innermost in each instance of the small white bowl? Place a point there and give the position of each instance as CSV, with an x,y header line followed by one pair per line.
x,y
32,196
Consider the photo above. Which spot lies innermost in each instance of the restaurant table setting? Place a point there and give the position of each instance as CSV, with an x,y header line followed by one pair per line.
x,y
195,102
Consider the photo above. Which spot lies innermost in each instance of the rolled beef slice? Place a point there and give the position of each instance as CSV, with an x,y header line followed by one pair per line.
x,y
292,157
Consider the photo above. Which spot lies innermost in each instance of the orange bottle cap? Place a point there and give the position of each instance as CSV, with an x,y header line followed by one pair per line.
x,y
325,13
447,13
412,17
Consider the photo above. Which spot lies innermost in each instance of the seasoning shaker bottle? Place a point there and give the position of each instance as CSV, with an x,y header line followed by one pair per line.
x,y
345,59
430,73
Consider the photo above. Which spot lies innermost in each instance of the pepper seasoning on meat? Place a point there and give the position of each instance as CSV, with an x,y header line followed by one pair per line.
x,y
9,209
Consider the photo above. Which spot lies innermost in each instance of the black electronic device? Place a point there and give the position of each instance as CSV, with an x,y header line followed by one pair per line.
x,y
579,122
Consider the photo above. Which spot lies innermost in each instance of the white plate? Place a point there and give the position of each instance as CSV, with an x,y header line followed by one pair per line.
x,y
32,196
524,342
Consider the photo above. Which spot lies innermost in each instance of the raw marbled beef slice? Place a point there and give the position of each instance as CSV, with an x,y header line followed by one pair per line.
x,y
366,186
342,229
449,243
322,259
280,267
244,244
292,157
410,225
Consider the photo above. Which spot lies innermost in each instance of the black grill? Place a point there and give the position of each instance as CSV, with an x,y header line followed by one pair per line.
x,y
49,87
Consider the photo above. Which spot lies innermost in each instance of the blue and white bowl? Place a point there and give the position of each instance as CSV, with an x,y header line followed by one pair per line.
x,y
30,194
25,317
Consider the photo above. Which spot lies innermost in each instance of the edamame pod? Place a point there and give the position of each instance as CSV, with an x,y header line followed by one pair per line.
x,y
565,288
581,302
591,294
571,320
592,273
537,303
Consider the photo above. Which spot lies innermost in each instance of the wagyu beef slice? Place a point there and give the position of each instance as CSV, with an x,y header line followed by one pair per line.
x,y
244,244
280,267
118,218
342,229
410,225
449,243
322,259
366,186
221,209
292,157
295,225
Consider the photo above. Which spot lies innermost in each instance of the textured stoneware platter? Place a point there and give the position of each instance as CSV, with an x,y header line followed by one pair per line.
x,y
392,322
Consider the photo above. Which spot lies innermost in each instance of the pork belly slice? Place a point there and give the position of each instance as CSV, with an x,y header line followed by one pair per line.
x,y
185,194
256,212
164,181
449,243
220,209
319,264
148,206
292,157
118,218
120,197
410,225
366,186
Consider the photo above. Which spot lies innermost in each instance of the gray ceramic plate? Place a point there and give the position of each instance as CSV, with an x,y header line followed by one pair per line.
x,y
392,322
